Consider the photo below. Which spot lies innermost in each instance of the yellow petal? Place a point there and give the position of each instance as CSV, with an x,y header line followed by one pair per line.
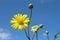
x,y
27,20
20,27
18,16
26,25
13,21
24,16
15,26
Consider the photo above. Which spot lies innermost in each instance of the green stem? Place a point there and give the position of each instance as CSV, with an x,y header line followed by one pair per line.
x,y
36,36
33,36
47,37
29,25
54,38
30,14
26,34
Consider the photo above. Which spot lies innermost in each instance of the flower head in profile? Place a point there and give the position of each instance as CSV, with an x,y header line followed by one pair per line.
x,y
35,28
20,21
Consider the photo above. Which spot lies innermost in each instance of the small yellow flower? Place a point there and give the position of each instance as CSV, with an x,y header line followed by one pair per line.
x,y
20,21
35,28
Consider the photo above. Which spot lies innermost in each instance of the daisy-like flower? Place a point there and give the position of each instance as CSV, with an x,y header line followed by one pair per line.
x,y
20,21
35,28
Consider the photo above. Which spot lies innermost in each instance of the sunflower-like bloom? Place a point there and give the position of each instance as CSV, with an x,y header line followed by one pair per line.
x,y
20,21
35,28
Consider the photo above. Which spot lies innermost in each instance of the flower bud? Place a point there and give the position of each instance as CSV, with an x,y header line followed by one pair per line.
x,y
55,35
47,32
30,6
41,26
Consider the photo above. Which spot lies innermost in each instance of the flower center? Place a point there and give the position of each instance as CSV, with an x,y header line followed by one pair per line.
x,y
21,23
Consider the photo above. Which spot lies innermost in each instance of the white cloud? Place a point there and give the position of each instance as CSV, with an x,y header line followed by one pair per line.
x,y
1,29
4,35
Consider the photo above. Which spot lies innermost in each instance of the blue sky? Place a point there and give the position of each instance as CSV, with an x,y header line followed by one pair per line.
x,y
46,12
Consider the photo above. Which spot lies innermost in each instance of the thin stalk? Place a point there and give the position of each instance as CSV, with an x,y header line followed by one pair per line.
x,y
33,36
30,14
54,38
58,33
47,37
36,36
29,24
26,34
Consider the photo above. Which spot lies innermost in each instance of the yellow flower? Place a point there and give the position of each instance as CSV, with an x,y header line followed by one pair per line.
x,y
20,21
35,28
